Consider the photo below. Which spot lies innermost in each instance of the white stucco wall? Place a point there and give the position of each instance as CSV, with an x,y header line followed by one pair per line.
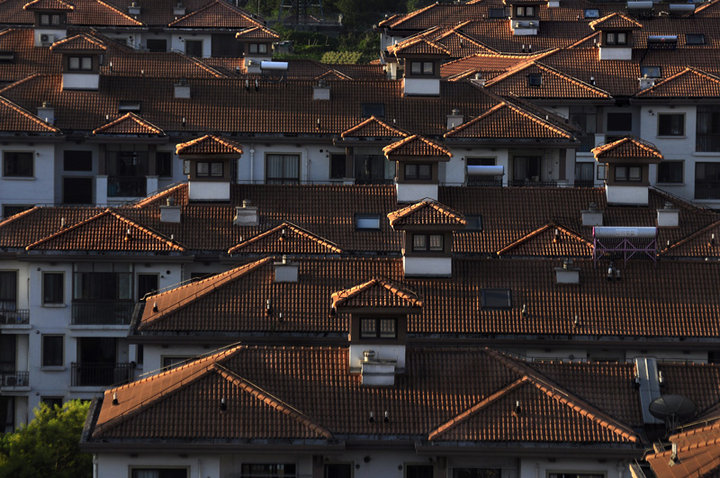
x,y
36,189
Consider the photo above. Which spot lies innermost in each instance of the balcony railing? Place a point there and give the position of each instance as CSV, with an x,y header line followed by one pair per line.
x,y
14,379
101,374
14,317
126,186
102,313
532,183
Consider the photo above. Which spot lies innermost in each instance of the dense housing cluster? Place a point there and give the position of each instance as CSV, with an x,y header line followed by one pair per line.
x,y
491,254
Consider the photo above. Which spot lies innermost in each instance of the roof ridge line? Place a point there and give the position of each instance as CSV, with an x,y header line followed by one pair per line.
x,y
147,230
298,230
158,195
685,239
19,109
120,12
132,116
200,63
375,119
67,229
270,399
540,230
21,81
573,79
17,216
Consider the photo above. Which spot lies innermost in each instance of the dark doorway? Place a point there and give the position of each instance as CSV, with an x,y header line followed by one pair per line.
x,y
147,283
77,191
338,470
96,361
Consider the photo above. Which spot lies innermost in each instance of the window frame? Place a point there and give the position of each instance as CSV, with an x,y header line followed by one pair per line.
x,y
423,242
211,171
338,165
85,63
135,469
675,163
616,38
47,274
524,11
615,115
416,175
284,178
164,159
73,163
377,331
248,473
484,305
46,361
14,157
627,171
670,134
367,217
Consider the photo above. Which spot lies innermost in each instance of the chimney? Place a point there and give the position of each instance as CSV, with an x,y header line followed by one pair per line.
x,y
246,215
170,212
454,119
46,113
376,372
286,271
553,3
321,91
645,83
179,10
182,90
668,216
592,216
567,274
478,79
134,8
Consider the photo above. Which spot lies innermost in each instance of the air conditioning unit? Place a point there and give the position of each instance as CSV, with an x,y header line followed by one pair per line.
x,y
47,39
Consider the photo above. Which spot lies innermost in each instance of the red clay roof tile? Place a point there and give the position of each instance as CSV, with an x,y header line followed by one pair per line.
x,y
257,33
426,213
689,83
78,43
13,118
627,149
208,144
376,293
286,238
216,14
48,5
129,123
615,21
418,46
373,128
416,147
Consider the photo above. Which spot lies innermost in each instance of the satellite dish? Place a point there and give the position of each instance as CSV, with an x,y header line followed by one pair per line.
x,y
673,407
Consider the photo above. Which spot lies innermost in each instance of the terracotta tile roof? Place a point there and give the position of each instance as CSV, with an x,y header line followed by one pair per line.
x,y
418,46
433,15
208,144
689,83
373,128
702,243
34,224
376,293
131,124
257,33
627,149
85,12
216,14
81,42
489,65
50,5
285,238
312,395
426,213
549,240
506,121
458,43
698,454
156,65
28,60
15,119
333,75
106,231
416,147
615,21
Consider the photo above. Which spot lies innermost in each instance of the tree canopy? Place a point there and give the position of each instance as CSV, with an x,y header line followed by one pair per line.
x,y
49,445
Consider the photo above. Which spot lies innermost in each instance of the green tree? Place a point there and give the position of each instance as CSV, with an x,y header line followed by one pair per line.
x,y
49,445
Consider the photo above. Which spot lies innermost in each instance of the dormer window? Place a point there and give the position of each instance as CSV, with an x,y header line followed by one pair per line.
x,y
210,169
422,67
80,63
261,48
428,242
382,328
616,38
524,11
631,174
535,80
415,171
50,19
650,71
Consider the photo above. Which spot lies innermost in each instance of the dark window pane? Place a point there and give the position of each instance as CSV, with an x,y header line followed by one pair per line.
x,y
8,290
77,160
157,44
18,164
12,209
419,471
53,288
52,350
671,124
163,164
496,299
337,166
373,109
193,47
147,283
619,121
670,172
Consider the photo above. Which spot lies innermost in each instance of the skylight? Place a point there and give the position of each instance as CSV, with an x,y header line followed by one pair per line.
x,y
650,72
367,222
535,79
694,39
496,298
373,109
474,223
591,13
497,13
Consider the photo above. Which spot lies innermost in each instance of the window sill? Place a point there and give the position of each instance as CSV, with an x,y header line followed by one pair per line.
x,y
53,368
707,153
55,306
19,178
671,136
670,184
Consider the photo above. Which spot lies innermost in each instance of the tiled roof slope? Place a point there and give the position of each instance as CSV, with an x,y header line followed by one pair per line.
x,y
285,238
326,400
615,21
416,147
216,14
78,43
156,65
702,243
107,231
257,33
85,12
208,144
698,454
372,128
15,119
553,84
27,227
670,299
28,60
129,123
426,213
689,83
418,46
49,5
627,149
377,293
549,240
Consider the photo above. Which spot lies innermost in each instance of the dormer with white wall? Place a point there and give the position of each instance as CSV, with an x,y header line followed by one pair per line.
x,y
81,58
427,228
616,39
524,16
378,312
422,59
627,161
257,47
416,171
50,20
211,164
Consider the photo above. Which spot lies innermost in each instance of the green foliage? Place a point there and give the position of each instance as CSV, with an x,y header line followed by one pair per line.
x,y
49,446
345,57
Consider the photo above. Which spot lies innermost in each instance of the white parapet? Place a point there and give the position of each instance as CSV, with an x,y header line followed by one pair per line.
x,y
421,86
416,192
615,53
209,191
415,266
635,195
80,81
383,352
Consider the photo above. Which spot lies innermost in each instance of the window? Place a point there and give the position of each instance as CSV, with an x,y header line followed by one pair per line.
x,y
497,13
282,168
586,119
159,473
419,471
258,48
53,287
616,38
18,164
476,473
163,164
50,19
147,284
534,80
707,180
52,350
99,281
670,172
418,171
337,166
77,160
80,63
264,470
367,221
576,475
209,169
428,242
619,121
628,173
584,175
422,67
12,209
8,290
707,135
378,328
496,298
52,402
694,39
474,222
601,172
591,13
651,71
373,109
193,47
156,44
129,107
338,470
671,124
523,11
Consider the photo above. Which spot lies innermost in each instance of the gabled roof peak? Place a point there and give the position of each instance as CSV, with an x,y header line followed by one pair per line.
x,y
81,42
378,292
129,123
416,146
284,239
208,144
49,5
427,213
627,149
615,21
418,46
373,127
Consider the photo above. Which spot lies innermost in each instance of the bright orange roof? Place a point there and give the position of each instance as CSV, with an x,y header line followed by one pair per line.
x,y
627,149
209,144
416,146
426,213
129,123
378,293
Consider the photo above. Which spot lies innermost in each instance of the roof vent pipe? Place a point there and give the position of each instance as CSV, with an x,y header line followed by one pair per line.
x,y
246,215
454,119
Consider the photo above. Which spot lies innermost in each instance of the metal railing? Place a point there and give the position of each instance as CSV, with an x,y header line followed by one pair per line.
x,y
14,379
14,317
532,184
126,186
102,313
88,374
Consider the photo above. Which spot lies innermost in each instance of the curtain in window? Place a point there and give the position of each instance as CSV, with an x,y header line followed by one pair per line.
x,y
8,290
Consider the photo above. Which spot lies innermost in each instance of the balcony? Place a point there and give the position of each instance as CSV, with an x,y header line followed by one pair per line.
x,y
14,317
101,374
102,313
531,182
14,379
126,186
